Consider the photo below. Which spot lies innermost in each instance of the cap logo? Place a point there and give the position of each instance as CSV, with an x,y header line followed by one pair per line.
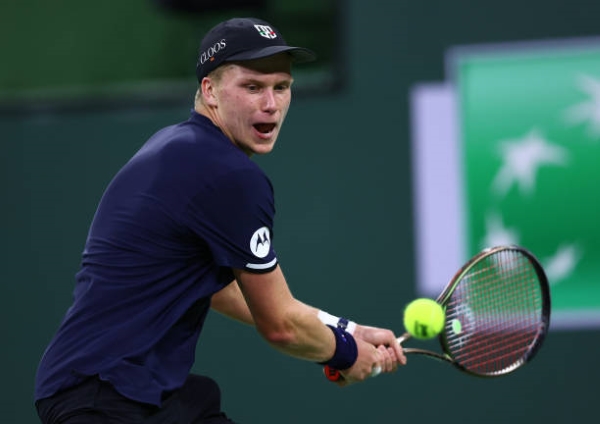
x,y
265,31
208,54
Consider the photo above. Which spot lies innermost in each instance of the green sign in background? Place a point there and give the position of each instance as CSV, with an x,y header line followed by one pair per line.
x,y
530,117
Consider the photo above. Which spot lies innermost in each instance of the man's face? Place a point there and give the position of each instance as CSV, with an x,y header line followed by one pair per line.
x,y
252,99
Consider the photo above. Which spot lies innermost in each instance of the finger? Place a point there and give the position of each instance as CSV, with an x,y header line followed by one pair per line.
x,y
389,358
392,342
393,358
342,382
375,371
386,361
399,352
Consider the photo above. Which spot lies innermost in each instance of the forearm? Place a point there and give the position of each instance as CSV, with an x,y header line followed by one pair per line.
x,y
303,335
287,324
296,329
231,303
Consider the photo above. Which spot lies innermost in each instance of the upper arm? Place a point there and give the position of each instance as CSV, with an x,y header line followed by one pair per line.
x,y
233,216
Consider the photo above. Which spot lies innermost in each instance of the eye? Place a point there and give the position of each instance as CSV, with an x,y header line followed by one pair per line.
x,y
253,88
282,87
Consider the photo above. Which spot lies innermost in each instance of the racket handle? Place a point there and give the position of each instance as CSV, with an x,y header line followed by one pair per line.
x,y
331,373
334,375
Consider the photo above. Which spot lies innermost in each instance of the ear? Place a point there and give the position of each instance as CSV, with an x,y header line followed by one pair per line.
x,y
208,89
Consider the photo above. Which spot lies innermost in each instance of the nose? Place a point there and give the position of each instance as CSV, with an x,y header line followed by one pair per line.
x,y
269,103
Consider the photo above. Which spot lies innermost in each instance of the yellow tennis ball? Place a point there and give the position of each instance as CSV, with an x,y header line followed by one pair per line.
x,y
424,318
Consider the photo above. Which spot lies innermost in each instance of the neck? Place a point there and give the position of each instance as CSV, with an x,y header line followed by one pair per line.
x,y
211,114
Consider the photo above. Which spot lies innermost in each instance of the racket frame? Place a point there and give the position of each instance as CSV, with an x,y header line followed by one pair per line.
x,y
446,294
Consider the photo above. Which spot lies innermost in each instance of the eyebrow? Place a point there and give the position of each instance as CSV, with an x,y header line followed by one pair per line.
x,y
256,81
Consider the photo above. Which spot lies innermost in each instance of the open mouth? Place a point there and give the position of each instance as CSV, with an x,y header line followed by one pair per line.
x,y
264,128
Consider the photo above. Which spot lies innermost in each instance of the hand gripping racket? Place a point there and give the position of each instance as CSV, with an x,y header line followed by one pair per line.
x,y
497,314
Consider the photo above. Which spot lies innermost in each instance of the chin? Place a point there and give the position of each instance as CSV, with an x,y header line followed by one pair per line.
x,y
263,149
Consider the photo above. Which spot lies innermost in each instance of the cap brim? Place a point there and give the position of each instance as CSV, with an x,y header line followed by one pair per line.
x,y
299,54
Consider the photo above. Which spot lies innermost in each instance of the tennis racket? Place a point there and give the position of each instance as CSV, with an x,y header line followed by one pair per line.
x,y
497,314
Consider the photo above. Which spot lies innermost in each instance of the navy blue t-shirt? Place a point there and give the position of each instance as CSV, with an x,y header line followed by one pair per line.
x,y
171,225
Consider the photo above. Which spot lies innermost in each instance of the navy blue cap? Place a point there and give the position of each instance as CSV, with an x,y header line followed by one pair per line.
x,y
244,39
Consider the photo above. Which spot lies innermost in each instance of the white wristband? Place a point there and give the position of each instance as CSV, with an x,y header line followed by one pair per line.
x,y
334,321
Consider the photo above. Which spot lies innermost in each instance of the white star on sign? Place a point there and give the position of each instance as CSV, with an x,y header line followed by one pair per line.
x,y
589,110
562,264
496,234
521,159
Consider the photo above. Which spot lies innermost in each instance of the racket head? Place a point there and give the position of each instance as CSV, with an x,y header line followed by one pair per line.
x,y
497,312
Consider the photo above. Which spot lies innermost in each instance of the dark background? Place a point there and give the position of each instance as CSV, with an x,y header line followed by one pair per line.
x,y
342,177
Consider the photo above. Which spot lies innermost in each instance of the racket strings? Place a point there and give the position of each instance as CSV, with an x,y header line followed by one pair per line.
x,y
491,353
494,314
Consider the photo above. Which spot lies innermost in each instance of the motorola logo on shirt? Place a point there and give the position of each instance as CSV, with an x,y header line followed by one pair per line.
x,y
260,243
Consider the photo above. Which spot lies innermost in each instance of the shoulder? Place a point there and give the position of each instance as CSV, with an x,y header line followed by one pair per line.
x,y
195,157
195,145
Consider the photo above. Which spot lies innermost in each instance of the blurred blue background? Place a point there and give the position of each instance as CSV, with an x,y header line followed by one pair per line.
x,y
83,85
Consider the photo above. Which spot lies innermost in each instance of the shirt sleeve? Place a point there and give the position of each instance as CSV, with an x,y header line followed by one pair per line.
x,y
234,215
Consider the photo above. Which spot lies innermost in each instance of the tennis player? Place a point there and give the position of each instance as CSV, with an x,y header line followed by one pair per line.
x,y
187,225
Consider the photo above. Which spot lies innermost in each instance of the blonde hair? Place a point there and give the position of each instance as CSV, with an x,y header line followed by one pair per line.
x,y
216,76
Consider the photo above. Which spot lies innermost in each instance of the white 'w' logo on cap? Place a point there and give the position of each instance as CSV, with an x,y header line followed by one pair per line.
x,y
265,31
